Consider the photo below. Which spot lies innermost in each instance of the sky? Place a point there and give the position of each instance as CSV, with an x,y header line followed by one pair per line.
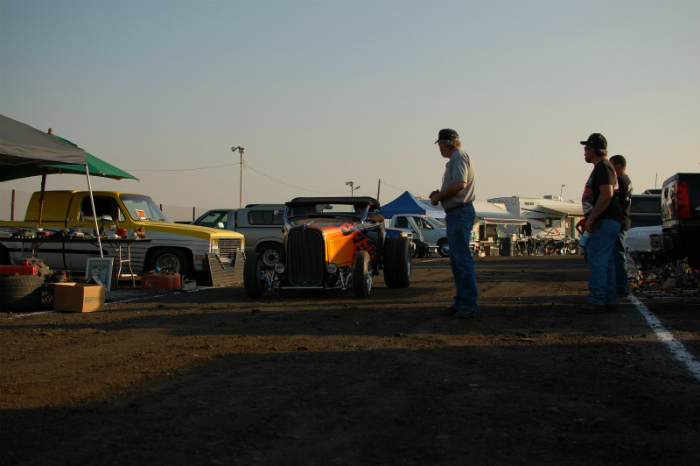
x,y
321,93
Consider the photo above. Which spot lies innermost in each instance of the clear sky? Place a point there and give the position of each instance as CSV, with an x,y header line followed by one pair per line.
x,y
320,93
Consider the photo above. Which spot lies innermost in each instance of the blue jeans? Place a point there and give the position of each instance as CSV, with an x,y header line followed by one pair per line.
x,y
459,229
601,263
622,282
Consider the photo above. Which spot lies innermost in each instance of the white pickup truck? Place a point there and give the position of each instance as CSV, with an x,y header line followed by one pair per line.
x,y
429,230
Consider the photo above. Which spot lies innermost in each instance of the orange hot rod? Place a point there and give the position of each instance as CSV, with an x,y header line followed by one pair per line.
x,y
333,243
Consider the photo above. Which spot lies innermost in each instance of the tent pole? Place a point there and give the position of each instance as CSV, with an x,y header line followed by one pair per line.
x,y
41,199
94,212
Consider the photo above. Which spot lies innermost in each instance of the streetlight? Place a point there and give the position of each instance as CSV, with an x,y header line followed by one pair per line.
x,y
352,187
240,183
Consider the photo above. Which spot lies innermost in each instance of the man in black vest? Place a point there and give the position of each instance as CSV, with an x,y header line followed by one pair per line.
x,y
623,194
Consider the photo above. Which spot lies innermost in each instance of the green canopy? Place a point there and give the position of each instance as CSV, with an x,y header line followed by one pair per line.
x,y
96,167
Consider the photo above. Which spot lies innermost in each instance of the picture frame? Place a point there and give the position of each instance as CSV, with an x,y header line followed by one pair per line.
x,y
99,271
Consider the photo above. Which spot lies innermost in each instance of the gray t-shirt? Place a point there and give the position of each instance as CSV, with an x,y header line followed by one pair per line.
x,y
459,168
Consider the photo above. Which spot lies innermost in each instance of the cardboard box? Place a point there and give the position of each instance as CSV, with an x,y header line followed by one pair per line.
x,y
78,297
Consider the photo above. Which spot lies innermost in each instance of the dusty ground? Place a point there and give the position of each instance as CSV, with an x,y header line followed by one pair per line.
x,y
211,378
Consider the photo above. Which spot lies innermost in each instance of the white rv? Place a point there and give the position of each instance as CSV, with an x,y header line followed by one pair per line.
x,y
549,217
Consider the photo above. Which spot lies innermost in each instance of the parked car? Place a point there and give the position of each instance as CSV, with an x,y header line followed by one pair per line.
x,y
262,225
431,233
645,210
332,243
680,212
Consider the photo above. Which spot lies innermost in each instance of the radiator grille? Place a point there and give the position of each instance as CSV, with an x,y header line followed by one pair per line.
x,y
228,247
305,257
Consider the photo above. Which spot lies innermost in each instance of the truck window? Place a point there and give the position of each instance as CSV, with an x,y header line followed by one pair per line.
x,y
216,219
401,222
647,205
423,224
103,206
265,217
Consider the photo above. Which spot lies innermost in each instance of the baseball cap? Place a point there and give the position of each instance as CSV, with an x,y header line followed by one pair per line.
x,y
596,141
447,135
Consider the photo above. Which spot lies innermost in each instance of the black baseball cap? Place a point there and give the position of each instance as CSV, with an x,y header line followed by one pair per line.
x,y
447,135
596,141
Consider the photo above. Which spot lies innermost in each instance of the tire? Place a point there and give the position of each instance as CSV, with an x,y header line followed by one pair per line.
x,y
361,275
252,270
548,248
397,263
572,248
171,259
270,254
21,293
418,253
444,248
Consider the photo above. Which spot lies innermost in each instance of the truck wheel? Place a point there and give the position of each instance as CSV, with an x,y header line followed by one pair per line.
x,y
361,275
418,252
20,293
253,281
397,263
171,259
270,253
444,248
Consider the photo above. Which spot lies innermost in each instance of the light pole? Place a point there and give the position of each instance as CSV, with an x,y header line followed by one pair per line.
x,y
240,182
352,187
561,192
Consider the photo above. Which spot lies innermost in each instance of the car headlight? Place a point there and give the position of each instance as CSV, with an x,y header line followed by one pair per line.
x,y
332,268
279,268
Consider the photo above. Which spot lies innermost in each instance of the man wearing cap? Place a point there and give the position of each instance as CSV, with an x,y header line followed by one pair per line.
x,y
456,196
602,220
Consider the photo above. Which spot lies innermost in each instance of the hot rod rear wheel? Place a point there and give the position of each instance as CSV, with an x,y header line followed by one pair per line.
x,y
253,282
361,275
397,262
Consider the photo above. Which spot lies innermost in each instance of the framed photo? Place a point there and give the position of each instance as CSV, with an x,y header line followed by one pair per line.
x,y
99,270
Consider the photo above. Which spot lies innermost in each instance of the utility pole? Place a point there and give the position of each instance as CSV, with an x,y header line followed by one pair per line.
x,y
240,181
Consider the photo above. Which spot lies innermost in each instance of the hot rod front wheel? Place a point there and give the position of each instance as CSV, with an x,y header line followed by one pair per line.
x,y
361,275
253,280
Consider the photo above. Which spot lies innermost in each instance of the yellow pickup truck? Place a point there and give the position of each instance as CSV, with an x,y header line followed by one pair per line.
x,y
174,246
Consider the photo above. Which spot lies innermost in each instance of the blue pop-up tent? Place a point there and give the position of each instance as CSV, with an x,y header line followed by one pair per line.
x,y
407,203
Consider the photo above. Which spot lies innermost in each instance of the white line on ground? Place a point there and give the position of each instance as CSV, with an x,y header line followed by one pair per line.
x,y
666,337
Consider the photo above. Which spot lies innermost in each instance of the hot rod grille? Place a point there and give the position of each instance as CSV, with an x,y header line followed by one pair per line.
x,y
305,257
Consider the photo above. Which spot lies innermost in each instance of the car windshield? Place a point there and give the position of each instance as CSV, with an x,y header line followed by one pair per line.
x,y
142,208
326,210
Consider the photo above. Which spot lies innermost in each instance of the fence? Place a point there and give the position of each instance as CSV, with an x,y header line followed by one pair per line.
x,y
13,205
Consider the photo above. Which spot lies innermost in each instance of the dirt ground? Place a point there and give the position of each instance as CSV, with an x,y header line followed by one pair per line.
x,y
209,377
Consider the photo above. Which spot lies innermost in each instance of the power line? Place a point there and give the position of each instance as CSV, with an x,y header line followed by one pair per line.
x,y
247,165
187,169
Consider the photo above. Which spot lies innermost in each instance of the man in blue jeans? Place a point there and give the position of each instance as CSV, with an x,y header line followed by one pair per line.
x,y
603,219
456,196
